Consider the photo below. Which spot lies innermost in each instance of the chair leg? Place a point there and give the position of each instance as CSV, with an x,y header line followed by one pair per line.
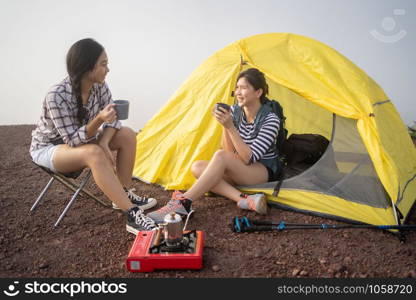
x,y
70,185
81,186
42,194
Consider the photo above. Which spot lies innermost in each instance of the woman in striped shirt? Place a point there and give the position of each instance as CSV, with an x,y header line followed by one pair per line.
x,y
245,158
78,128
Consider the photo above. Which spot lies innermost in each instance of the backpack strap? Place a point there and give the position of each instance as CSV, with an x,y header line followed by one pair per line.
x,y
264,110
237,115
278,185
261,115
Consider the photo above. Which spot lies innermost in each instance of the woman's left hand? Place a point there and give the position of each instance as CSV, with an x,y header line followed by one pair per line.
x,y
223,117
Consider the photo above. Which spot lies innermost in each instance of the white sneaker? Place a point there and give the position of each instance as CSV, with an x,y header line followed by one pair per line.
x,y
255,202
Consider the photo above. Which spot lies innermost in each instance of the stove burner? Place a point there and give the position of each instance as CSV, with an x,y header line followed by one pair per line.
x,y
187,245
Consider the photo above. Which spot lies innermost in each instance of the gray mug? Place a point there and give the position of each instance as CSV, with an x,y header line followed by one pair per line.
x,y
122,109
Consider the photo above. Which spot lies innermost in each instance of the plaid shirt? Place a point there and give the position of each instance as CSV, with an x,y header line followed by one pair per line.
x,y
59,123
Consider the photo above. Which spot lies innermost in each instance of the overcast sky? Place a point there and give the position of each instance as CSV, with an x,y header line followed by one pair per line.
x,y
153,46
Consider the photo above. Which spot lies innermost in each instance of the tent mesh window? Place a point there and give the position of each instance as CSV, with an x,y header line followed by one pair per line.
x,y
345,170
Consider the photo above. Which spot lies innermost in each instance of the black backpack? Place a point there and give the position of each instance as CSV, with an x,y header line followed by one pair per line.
x,y
305,148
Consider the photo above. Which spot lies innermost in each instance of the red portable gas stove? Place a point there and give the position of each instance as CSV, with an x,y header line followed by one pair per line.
x,y
150,252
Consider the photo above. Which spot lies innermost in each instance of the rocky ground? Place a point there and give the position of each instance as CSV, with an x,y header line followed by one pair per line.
x,y
92,241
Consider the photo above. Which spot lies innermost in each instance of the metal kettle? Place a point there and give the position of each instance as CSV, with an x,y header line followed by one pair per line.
x,y
173,229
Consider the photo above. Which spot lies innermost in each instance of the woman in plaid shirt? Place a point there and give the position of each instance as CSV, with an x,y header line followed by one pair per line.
x,y
78,128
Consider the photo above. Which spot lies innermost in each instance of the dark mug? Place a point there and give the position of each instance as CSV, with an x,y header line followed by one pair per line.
x,y
122,109
222,105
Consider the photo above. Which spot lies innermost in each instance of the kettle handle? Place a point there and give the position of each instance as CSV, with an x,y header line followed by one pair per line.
x,y
187,219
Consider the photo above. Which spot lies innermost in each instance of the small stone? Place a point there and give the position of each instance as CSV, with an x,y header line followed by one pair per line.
x,y
412,274
304,273
323,261
43,265
295,272
338,268
279,262
347,260
215,268
335,254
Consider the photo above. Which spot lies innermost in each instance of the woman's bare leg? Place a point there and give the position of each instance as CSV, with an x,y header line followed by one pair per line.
x,y
223,188
124,142
225,163
68,159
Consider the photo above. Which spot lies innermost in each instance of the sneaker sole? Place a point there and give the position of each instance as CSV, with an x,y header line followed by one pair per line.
x,y
262,207
131,229
143,207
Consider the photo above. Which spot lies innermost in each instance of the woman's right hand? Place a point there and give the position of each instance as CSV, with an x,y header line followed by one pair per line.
x,y
223,117
108,114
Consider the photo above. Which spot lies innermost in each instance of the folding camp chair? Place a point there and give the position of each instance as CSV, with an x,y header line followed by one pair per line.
x,y
67,180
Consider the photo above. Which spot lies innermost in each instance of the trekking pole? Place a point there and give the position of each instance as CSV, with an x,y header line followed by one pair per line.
x,y
244,224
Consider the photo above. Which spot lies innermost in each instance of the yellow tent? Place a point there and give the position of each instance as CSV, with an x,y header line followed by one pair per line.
x,y
368,173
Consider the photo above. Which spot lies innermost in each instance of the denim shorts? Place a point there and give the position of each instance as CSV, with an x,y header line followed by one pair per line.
x,y
44,156
273,176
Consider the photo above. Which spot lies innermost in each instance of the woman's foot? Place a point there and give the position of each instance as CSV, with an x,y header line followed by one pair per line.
x,y
178,204
142,202
255,202
138,221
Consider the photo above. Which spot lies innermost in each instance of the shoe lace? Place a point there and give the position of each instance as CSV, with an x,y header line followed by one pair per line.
x,y
171,204
178,195
133,196
145,221
175,201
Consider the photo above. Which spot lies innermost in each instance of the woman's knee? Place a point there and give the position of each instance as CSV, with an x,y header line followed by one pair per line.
x,y
125,137
127,134
198,168
93,154
221,155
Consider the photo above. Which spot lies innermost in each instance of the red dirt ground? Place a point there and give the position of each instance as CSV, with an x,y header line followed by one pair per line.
x,y
92,241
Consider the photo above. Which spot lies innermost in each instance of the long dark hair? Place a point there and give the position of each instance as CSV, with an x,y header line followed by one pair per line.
x,y
80,59
257,80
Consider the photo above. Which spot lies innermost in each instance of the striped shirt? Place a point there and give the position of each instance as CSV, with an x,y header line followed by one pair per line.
x,y
262,146
58,120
